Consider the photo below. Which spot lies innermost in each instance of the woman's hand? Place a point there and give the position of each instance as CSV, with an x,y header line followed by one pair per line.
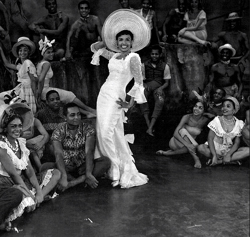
x,y
123,104
30,208
214,161
39,198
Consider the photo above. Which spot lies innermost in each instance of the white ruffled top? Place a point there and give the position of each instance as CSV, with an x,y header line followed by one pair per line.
x,y
23,69
19,164
134,62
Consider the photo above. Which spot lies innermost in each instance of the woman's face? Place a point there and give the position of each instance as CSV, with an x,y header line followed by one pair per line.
x,y
48,54
198,109
194,3
15,128
124,43
228,108
23,52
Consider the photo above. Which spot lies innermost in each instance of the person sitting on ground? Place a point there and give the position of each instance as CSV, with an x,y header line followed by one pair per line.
x,y
195,32
215,105
174,22
185,134
45,73
83,32
226,75
246,129
16,170
54,26
150,16
224,136
157,76
74,145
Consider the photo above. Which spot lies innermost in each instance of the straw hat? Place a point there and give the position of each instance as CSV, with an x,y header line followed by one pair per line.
x,y
235,102
18,108
126,19
233,16
25,41
227,46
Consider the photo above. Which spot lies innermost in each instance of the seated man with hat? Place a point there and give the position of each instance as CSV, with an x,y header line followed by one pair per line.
x,y
224,74
235,37
74,145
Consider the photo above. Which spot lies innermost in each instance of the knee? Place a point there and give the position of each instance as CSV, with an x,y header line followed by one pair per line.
x,y
17,196
106,162
56,174
201,148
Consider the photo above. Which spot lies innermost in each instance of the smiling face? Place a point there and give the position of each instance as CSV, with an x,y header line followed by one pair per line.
x,y
181,6
124,43
48,54
84,10
23,52
225,54
228,108
14,129
198,109
155,55
73,116
218,95
51,6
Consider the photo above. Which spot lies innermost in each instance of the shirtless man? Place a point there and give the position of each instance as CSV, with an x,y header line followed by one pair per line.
x,y
83,32
235,37
174,22
226,75
54,26
4,30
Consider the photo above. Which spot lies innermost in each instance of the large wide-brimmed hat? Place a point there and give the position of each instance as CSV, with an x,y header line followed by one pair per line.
x,y
22,109
227,46
126,19
25,41
235,102
233,16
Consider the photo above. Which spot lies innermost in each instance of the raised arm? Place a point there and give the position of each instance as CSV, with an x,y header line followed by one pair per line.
x,y
6,62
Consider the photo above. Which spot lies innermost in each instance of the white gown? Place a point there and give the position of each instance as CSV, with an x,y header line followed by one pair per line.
x,y
111,141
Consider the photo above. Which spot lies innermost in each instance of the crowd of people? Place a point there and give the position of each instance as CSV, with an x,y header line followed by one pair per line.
x,y
46,147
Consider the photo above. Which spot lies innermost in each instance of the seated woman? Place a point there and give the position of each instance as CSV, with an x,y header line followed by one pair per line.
x,y
45,73
15,167
246,129
224,136
195,32
185,134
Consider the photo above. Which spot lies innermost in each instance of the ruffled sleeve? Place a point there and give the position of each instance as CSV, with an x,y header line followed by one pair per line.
x,y
30,67
239,126
214,125
100,52
202,15
137,90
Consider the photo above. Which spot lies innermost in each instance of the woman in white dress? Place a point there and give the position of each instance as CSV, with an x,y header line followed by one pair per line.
x,y
223,144
45,73
195,32
123,31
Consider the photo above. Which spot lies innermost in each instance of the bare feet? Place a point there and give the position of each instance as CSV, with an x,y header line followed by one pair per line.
x,y
163,153
197,164
150,132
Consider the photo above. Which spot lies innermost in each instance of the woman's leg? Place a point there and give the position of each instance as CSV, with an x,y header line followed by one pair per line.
x,y
56,175
190,36
241,153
